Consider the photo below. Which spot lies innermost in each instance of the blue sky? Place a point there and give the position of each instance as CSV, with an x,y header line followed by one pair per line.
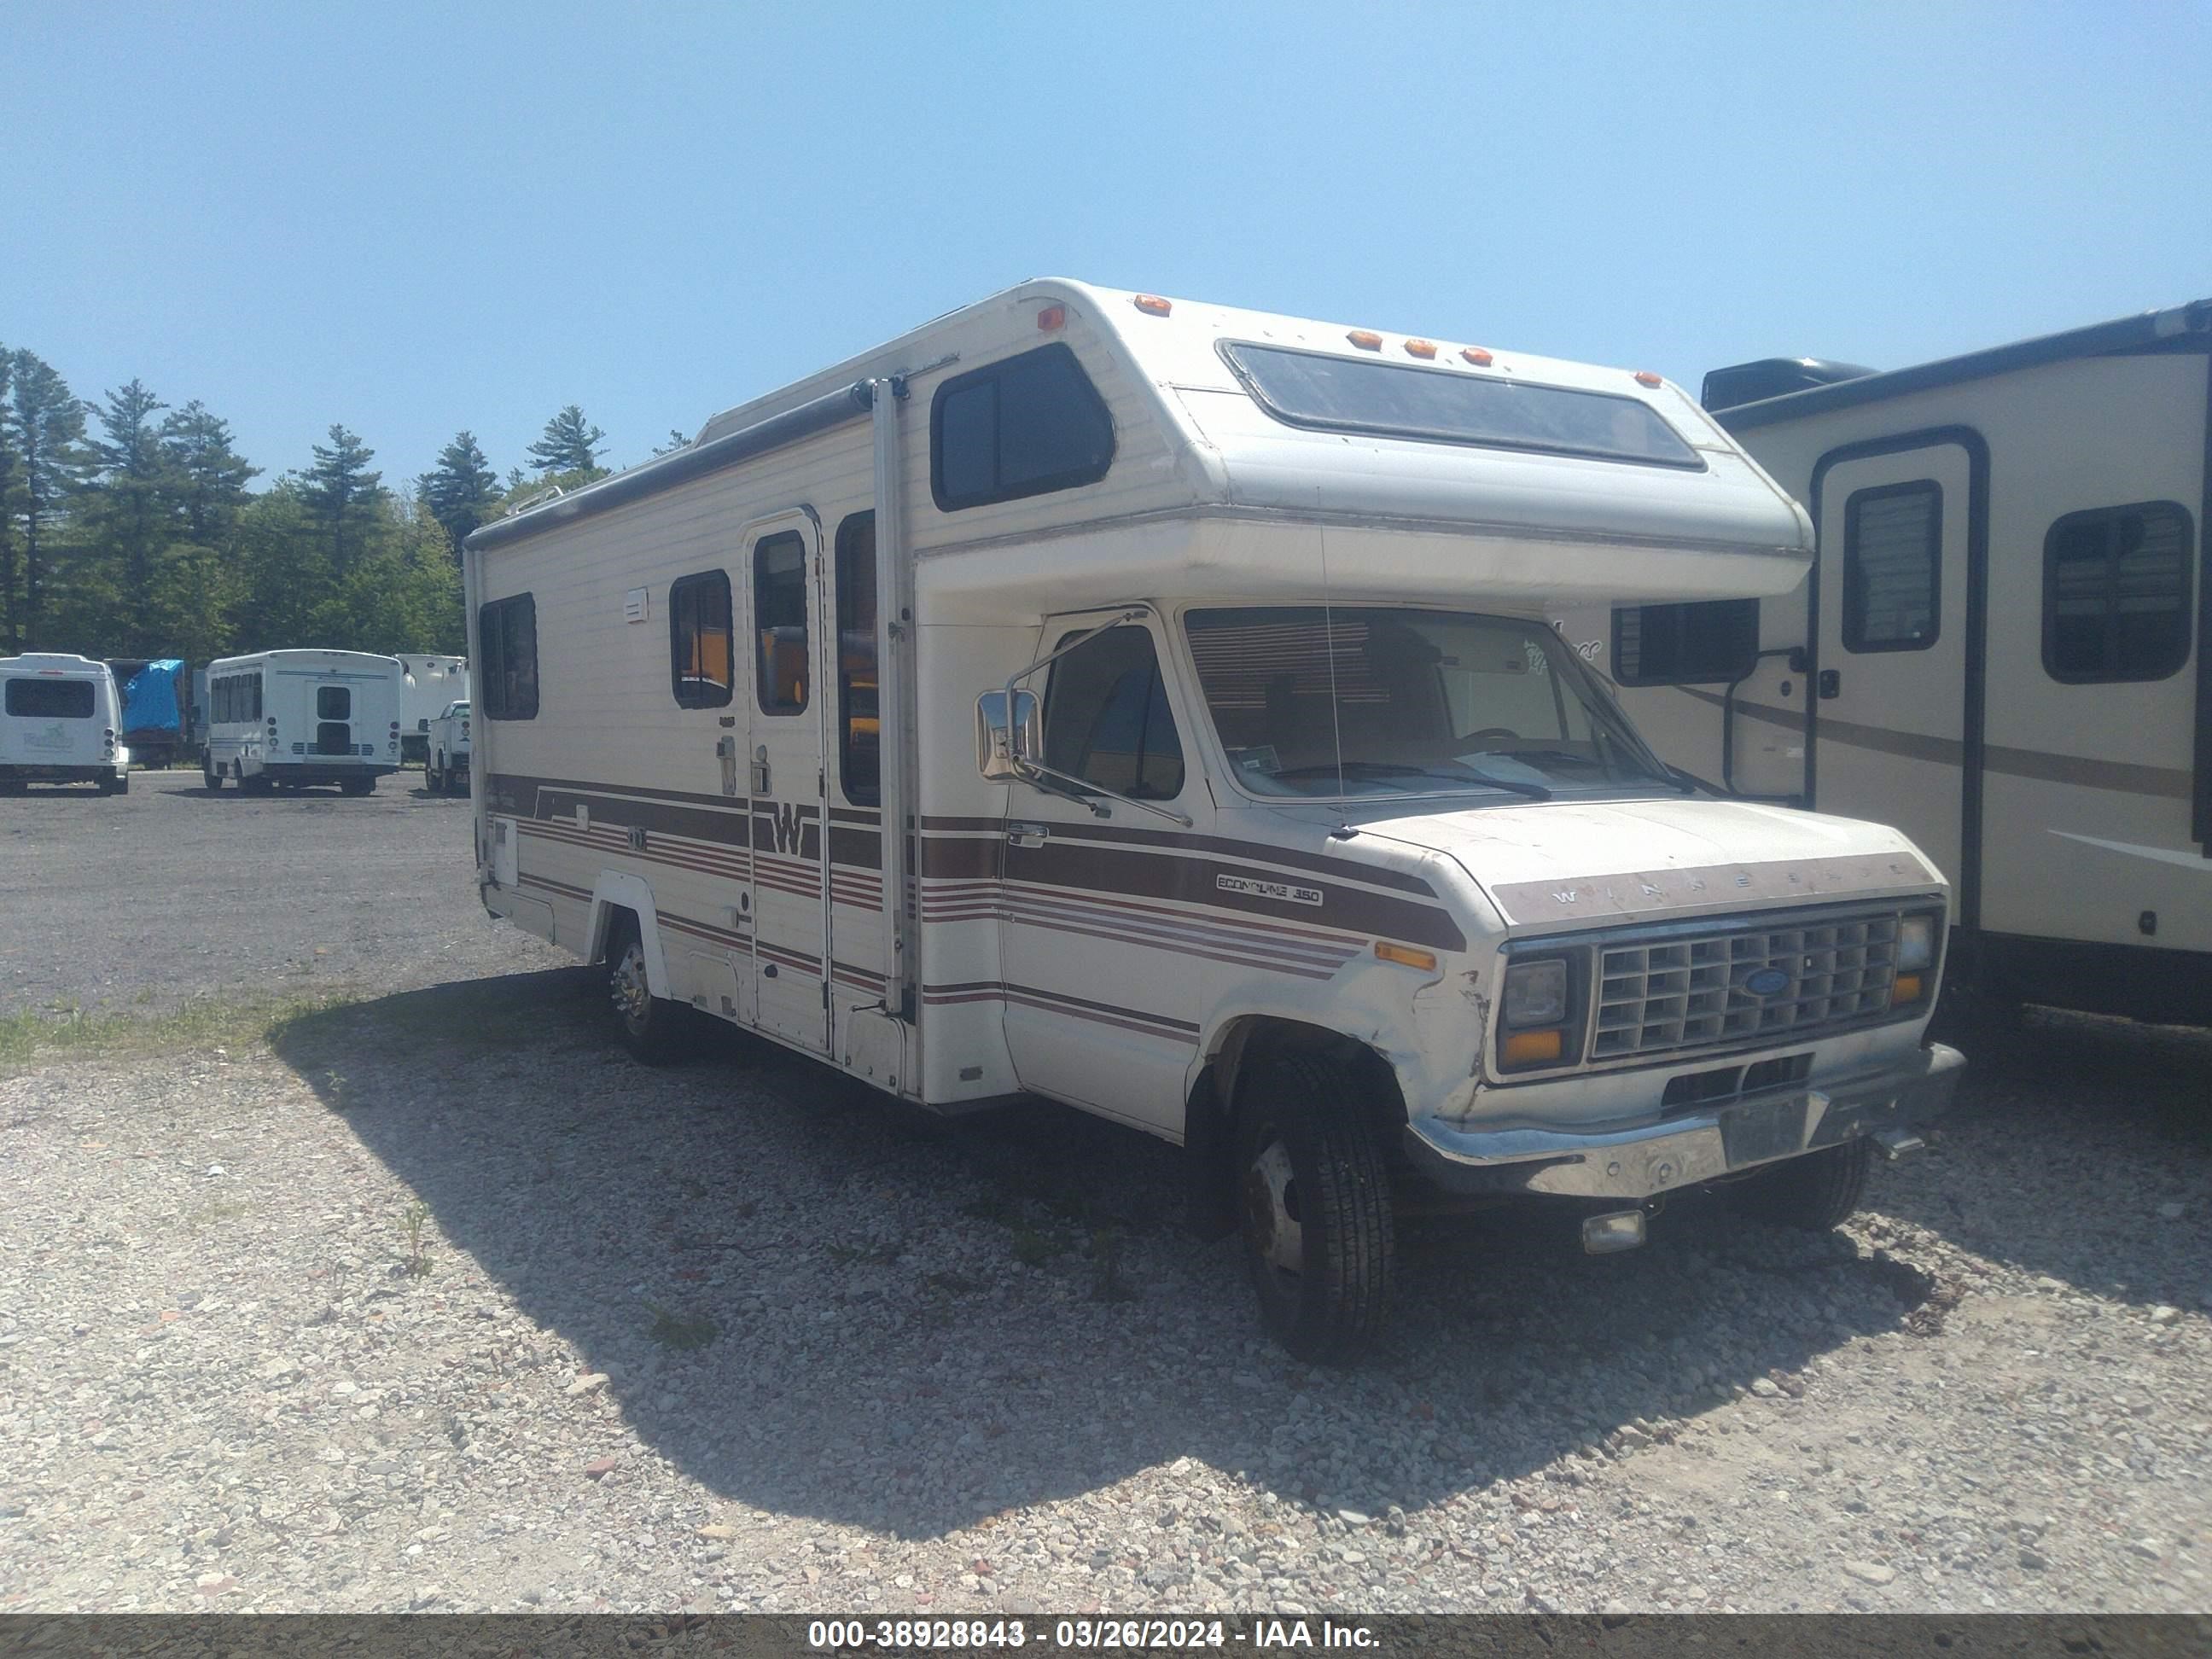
x,y
414,219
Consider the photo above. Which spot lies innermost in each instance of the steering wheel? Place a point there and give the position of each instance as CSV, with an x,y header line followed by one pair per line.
x,y
1488,733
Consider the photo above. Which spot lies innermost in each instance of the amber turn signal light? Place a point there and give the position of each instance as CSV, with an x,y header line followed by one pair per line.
x,y
1905,988
1528,1047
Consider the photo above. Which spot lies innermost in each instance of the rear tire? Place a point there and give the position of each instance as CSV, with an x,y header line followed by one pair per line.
x,y
652,1028
1314,1194
1812,1193
210,777
431,781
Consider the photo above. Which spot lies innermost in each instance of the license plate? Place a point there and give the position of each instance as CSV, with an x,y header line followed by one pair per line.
x,y
1773,1128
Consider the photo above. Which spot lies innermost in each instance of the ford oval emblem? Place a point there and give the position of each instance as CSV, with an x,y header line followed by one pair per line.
x,y
1766,981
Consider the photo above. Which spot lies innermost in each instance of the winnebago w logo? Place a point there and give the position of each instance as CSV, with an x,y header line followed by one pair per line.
x,y
789,821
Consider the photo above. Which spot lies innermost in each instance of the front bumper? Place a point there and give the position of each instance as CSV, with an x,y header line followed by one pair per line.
x,y
1636,1160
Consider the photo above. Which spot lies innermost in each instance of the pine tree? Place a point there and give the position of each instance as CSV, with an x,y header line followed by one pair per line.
x,y
11,614
462,489
207,483
345,494
126,532
570,444
46,429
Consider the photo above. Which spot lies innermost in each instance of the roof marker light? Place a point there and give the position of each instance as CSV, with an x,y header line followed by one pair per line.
x,y
1646,377
1365,339
1153,305
1477,356
1052,317
1421,348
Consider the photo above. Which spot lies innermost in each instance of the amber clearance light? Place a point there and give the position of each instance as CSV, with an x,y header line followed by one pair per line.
x,y
1406,955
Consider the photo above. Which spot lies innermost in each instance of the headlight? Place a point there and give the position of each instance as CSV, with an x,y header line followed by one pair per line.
x,y
1916,943
1536,994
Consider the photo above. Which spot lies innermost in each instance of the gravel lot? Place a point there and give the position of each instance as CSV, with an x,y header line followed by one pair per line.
x,y
437,1301
258,895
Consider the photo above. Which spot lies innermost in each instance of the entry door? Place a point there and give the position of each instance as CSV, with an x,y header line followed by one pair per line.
x,y
783,774
1889,709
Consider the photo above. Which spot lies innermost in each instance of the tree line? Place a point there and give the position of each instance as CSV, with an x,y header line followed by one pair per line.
x,y
128,529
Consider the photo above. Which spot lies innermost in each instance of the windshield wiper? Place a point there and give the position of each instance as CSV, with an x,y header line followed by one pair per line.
x,y
1370,769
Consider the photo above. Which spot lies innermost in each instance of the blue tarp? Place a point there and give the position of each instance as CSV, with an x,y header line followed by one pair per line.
x,y
149,701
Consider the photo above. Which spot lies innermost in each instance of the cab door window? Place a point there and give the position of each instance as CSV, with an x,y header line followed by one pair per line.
x,y
1107,720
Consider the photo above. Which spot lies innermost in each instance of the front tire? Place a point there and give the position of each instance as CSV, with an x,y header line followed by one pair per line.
x,y
1314,1192
651,1027
1812,1193
210,777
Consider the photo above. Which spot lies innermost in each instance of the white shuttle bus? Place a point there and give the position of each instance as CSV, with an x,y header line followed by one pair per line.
x,y
60,723
1237,788
2001,647
291,719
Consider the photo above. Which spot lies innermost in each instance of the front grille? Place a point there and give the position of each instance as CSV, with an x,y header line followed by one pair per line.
x,y
1662,995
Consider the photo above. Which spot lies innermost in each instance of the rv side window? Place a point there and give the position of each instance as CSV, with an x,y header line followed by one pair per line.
x,y
1024,427
700,639
253,687
859,747
507,637
780,621
1893,566
2116,594
1106,717
50,700
1701,642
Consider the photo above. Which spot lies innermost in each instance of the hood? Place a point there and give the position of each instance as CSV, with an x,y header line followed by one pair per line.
x,y
1553,862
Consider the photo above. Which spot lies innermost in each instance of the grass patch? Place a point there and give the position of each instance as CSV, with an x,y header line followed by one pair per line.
x,y
27,1038
675,1330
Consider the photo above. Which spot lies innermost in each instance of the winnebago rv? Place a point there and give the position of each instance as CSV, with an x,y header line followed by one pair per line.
x,y
2001,647
59,720
289,719
427,685
1236,786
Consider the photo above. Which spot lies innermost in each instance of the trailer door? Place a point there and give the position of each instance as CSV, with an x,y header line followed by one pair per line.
x,y
782,773
1894,731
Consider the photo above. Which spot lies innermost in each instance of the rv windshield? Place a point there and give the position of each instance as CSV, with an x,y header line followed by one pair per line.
x,y
1314,701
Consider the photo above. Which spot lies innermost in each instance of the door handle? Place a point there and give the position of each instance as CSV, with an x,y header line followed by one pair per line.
x,y
726,750
1026,834
760,775
1830,683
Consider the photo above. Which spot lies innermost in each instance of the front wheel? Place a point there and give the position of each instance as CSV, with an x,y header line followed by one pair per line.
x,y
651,1027
1812,1193
209,776
1314,1192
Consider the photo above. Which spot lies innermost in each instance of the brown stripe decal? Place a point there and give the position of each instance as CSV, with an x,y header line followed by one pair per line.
x,y
2042,765
1029,996
1253,851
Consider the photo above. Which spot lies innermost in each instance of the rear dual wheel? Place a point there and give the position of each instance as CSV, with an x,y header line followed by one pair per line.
x,y
653,1028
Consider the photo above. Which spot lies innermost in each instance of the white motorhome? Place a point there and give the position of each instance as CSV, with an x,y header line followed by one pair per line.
x,y
427,685
59,720
2001,647
292,719
445,768
1237,788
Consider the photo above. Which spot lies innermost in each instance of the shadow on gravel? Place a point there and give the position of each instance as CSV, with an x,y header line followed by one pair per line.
x,y
814,1300
2079,1149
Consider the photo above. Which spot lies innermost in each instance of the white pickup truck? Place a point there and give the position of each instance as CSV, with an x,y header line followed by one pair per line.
x,y
446,761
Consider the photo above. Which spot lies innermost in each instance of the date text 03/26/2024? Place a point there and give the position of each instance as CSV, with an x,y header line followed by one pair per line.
x,y
1085,1635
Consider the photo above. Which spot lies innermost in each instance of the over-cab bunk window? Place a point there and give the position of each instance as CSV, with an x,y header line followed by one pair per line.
x,y
1701,642
1027,426
506,642
2116,594
699,634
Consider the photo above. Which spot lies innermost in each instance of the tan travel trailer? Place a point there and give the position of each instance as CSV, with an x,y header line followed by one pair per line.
x,y
1999,649
1247,795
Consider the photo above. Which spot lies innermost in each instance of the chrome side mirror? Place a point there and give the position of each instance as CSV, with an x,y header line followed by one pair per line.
x,y
1003,742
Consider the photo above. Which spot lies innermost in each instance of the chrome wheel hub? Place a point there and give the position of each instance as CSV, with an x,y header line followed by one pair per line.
x,y
1270,1205
632,995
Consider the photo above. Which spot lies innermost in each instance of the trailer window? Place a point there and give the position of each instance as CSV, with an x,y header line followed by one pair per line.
x,y
780,622
1703,641
1106,717
1024,427
701,640
2116,594
1441,405
50,700
1893,566
860,752
507,640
